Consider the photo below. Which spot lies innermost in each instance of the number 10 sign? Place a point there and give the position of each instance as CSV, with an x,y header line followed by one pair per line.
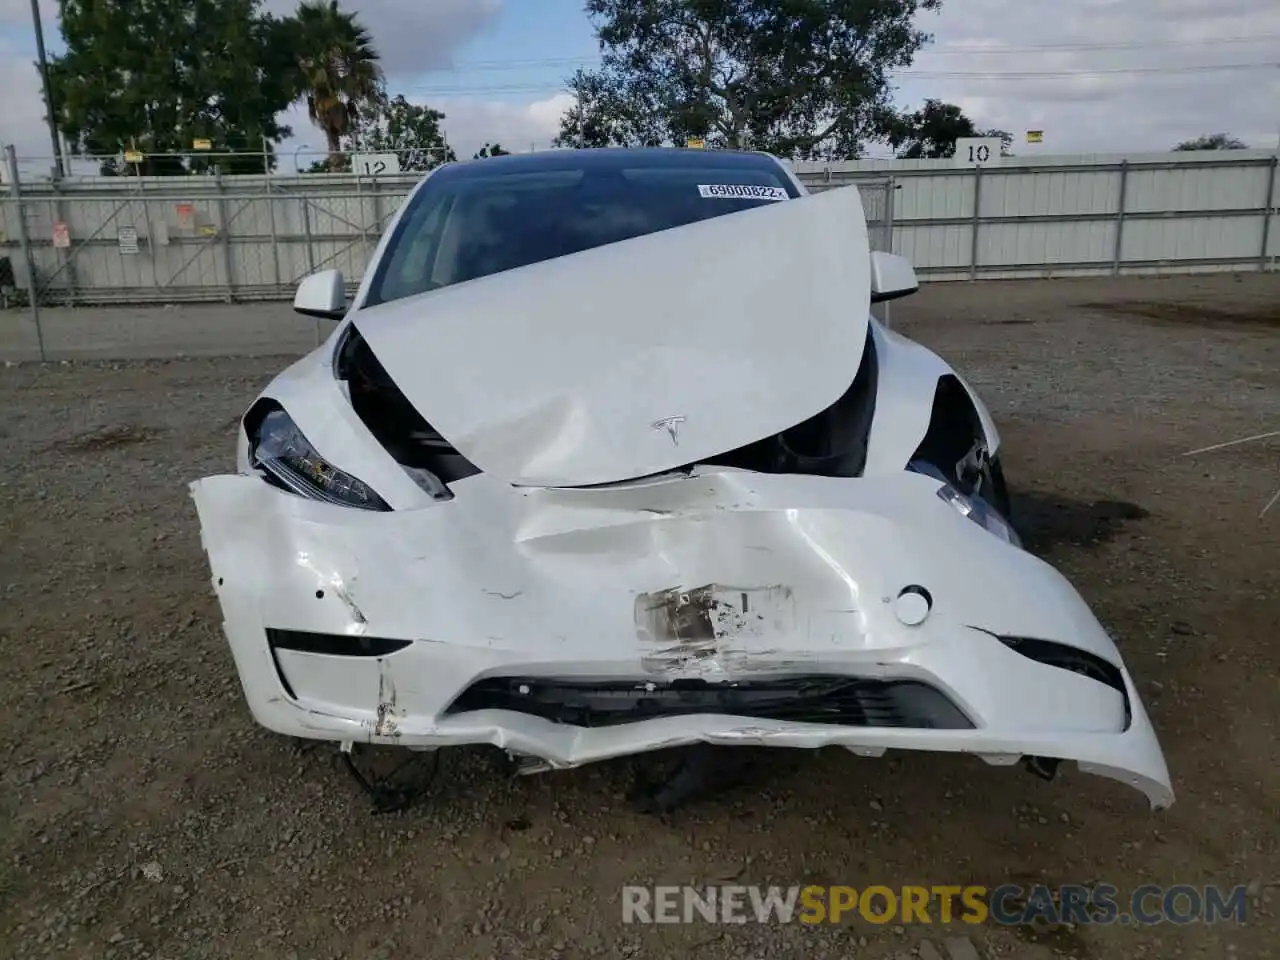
x,y
977,151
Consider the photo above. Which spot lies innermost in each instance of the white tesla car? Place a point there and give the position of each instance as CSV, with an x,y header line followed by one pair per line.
x,y
607,455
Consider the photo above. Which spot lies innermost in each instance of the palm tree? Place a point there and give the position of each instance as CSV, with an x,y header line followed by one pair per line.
x,y
338,68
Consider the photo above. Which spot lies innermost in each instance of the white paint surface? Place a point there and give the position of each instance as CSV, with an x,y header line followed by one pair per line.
x,y
537,375
542,583
555,373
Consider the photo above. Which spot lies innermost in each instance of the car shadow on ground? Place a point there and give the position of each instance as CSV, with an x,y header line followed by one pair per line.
x,y
1047,520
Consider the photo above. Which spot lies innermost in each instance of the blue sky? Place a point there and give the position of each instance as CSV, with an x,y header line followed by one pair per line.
x,y
1098,76
536,29
518,59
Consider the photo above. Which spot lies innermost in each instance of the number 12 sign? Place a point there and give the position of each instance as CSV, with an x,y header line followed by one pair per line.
x,y
977,151
375,164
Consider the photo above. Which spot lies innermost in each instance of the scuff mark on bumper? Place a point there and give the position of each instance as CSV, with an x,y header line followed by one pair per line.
x,y
669,598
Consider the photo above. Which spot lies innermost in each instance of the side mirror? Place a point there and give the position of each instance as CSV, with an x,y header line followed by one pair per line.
x,y
322,295
892,277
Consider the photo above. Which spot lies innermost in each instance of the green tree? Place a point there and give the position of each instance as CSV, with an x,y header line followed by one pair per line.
x,y
607,111
932,131
799,78
394,125
1212,141
157,76
1005,138
338,70
490,150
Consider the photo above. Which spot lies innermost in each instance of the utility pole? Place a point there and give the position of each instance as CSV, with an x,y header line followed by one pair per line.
x,y
50,113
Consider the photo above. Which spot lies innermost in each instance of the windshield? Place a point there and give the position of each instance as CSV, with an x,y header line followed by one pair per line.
x,y
470,223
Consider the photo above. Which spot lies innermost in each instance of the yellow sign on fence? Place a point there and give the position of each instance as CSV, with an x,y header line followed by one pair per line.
x,y
1035,136
200,143
133,156
695,143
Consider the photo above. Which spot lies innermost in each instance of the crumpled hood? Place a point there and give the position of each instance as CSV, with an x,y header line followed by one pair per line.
x,y
640,356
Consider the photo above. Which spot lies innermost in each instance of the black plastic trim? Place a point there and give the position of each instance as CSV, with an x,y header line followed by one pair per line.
x,y
391,418
954,426
832,443
333,644
1067,658
831,700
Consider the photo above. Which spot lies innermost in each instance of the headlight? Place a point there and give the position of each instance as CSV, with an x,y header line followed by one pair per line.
x,y
279,449
975,508
981,513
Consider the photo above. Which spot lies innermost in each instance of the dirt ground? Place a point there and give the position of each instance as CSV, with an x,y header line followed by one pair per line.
x,y
145,815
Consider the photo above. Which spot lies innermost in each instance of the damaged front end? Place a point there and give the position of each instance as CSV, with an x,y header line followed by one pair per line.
x,y
775,526
869,615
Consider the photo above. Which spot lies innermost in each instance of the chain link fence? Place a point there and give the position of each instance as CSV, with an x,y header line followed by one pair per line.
x,y
206,236
108,233
209,236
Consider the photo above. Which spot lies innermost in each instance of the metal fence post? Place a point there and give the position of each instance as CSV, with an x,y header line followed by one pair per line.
x,y
224,233
24,245
377,219
888,211
306,233
147,229
364,233
1124,190
275,236
977,223
890,187
311,257
1266,215
66,258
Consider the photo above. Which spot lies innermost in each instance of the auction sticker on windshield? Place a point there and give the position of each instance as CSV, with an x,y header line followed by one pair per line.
x,y
740,191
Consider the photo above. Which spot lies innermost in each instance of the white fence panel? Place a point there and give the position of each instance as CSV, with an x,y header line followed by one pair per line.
x,y
252,236
1201,189
1056,193
1203,238
933,198
935,249
1046,244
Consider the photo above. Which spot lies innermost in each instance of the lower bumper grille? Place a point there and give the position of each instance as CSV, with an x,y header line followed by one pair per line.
x,y
333,644
843,701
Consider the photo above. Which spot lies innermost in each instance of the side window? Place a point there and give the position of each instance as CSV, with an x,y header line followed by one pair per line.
x,y
412,265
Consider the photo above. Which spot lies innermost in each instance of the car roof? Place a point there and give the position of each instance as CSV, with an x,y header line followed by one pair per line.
x,y
609,158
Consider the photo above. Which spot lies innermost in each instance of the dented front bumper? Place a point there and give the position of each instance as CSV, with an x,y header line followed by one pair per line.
x,y
721,587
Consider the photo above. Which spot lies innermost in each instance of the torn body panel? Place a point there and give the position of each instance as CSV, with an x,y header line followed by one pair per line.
x,y
722,578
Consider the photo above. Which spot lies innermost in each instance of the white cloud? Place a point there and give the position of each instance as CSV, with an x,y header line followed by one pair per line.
x,y
1094,108
413,35
1089,109
18,13
22,122
470,123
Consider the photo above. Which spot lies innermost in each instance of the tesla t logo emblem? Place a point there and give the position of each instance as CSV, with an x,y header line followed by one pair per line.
x,y
671,425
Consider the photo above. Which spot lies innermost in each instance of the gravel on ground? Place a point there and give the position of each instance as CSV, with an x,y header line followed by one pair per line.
x,y
145,815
